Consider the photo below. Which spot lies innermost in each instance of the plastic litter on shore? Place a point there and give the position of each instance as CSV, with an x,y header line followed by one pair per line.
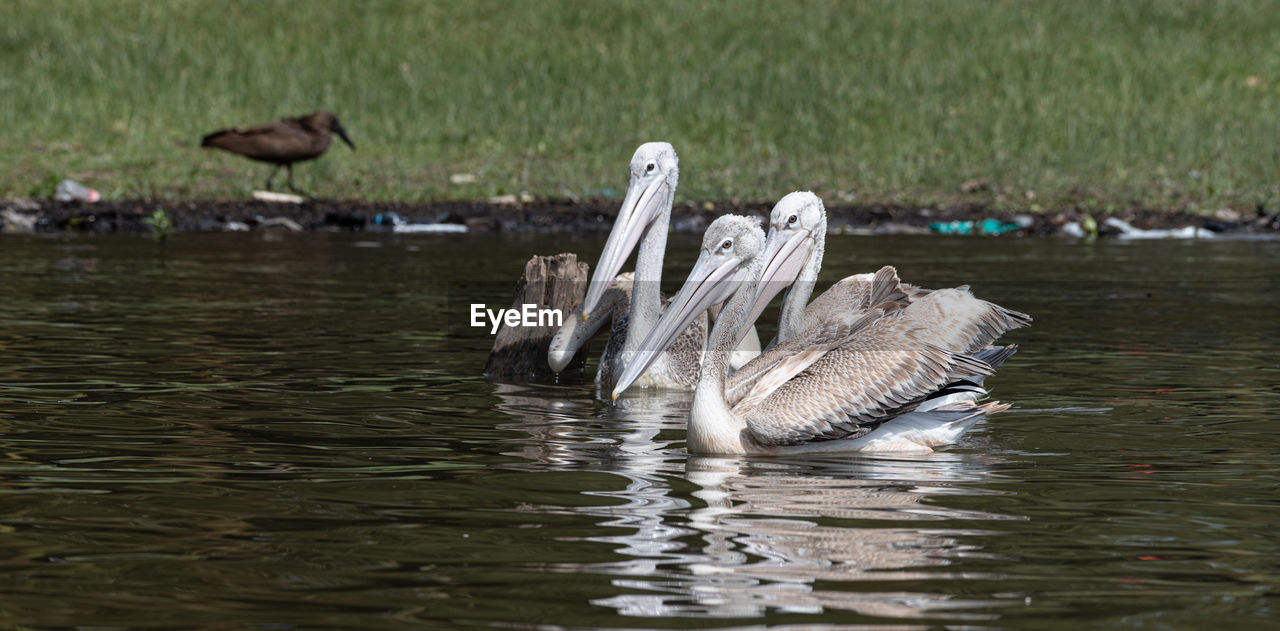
x,y
73,191
1123,230
1127,231
399,225
430,227
986,226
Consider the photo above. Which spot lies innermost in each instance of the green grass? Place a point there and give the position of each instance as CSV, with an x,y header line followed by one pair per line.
x,y
1163,103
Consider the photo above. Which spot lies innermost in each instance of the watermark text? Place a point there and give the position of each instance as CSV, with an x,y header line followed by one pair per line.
x,y
526,315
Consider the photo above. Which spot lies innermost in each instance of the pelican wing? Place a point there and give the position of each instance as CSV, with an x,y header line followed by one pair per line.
x,y
954,320
914,293
848,293
868,362
802,357
881,370
797,349
851,389
860,293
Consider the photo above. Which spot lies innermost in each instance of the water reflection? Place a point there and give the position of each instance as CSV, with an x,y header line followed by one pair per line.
x,y
774,531
731,537
573,431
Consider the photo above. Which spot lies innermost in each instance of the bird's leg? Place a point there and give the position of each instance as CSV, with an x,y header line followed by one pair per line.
x,y
272,176
293,188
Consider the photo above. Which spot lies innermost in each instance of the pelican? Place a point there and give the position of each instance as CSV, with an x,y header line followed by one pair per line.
x,y
793,250
643,220
860,382
793,255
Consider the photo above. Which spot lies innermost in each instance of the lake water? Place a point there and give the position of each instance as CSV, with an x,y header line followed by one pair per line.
x,y
291,432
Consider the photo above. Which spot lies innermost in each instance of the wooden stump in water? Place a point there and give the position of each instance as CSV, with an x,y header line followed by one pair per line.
x,y
520,352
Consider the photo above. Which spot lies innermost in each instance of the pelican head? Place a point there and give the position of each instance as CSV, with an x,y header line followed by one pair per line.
x,y
797,225
730,249
654,173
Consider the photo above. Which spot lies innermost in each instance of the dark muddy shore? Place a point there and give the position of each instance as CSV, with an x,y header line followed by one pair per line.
x,y
565,216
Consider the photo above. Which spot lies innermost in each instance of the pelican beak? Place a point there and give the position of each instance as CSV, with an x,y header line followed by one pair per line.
x,y
558,359
564,345
640,207
712,281
784,258
570,338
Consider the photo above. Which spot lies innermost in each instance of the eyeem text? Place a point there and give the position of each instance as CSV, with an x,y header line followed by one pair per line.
x,y
526,315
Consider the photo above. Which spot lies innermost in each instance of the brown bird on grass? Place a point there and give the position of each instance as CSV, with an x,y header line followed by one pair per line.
x,y
283,142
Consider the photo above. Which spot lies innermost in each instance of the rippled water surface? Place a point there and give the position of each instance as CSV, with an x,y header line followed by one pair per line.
x,y
291,432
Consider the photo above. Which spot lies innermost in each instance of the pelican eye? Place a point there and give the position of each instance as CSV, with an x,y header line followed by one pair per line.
x,y
728,243
648,168
792,219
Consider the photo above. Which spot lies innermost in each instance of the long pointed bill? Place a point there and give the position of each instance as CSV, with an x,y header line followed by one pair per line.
x,y
784,258
711,282
572,336
342,133
639,208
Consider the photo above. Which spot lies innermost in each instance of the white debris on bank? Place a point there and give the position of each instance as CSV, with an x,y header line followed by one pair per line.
x,y
278,198
1127,231
1074,230
429,227
14,221
398,224
73,191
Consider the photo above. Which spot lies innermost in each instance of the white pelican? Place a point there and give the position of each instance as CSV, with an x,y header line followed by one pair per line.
x,y
793,251
793,255
643,219
853,384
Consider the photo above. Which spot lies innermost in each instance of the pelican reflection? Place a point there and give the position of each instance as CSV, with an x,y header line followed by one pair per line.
x,y
720,537
782,536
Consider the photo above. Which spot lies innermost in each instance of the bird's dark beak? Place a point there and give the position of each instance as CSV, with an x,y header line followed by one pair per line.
x,y
342,133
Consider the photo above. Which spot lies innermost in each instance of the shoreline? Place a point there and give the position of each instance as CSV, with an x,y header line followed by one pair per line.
x,y
583,216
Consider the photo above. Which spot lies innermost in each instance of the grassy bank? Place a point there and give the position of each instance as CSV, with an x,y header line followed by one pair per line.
x,y
1155,103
